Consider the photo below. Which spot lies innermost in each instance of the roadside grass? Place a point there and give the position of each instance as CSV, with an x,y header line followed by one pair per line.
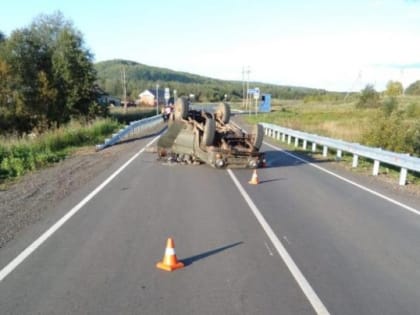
x,y
340,120
21,155
125,116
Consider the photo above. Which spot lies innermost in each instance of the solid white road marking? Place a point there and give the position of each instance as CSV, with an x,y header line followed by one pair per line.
x,y
38,242
411,209
294,270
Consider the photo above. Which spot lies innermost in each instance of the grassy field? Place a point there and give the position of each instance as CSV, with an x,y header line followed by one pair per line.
x,y
342,120
339,120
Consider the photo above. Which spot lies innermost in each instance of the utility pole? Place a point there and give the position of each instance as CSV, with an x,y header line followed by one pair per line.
x,y
248,71
243,86
157,98
124,86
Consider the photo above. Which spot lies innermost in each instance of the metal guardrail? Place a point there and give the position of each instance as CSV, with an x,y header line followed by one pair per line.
x,y
404,161
133,128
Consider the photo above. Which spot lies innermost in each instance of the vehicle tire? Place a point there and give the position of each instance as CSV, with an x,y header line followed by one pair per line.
x,y
257,136
223,111
181,108
209,132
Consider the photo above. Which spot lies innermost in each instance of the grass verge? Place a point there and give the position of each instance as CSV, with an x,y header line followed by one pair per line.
x,y
125,116
20,155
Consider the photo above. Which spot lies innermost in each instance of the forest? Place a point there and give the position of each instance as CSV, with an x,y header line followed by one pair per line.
x,y
140,77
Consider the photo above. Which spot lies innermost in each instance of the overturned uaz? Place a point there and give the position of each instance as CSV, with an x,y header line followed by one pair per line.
x,y
208,136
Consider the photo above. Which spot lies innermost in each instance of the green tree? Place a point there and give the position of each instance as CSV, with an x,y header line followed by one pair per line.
x,y
394,88
51,74
368,97
73,76
413,88
19,56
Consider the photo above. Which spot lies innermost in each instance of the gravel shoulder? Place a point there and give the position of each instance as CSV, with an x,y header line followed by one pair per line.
x,y
37,194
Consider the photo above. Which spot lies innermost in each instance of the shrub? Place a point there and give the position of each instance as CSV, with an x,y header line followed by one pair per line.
x,y
389,105
392,133
12,167
412,110
369,98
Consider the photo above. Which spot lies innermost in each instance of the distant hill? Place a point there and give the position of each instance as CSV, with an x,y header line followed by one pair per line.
x,y
140,77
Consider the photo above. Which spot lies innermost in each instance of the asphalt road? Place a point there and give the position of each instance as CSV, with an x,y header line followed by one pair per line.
x,y
359,253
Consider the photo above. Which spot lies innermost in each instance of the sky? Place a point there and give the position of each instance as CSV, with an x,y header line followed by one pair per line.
x,y
329,44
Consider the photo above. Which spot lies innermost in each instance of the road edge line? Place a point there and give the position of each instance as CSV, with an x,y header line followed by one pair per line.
x,y
373,192
307,289
5,271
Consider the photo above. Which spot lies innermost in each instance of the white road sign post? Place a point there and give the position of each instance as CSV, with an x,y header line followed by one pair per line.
x,y
256,98
167,96
255,92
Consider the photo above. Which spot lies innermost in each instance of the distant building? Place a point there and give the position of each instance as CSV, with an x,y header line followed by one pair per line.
x,y
148,97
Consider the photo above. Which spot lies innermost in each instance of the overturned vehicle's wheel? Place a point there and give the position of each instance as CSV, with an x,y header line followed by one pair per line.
x,y
257,136
181,108
223,112
209,132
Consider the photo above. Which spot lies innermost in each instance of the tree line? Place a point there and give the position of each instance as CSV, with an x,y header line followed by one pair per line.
x,y
140,77
47,76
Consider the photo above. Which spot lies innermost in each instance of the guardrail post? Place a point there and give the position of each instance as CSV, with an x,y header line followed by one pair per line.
x,y
375,168
403,176
406,163
355,160
266,131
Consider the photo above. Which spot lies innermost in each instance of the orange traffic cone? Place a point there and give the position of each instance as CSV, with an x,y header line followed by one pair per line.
x,y
170,262
254,179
